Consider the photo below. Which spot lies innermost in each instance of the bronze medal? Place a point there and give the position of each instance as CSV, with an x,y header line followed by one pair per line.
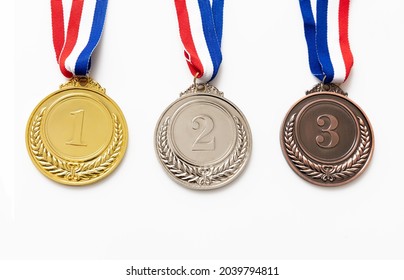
x,y
326,138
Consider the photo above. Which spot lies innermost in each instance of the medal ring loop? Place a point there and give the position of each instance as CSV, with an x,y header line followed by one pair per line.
x,y
198,87
195,78
322,83
83,80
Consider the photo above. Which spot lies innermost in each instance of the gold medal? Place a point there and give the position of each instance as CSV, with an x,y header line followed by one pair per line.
x,y
77,135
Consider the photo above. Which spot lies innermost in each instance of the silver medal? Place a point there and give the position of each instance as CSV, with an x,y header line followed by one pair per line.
x,y
203,140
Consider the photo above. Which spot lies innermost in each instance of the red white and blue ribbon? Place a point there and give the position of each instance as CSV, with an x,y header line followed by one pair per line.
x,y
330,56
201,27
75,42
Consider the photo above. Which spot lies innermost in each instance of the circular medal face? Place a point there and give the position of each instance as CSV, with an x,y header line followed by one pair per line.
x,y
327,139
203,141
77,135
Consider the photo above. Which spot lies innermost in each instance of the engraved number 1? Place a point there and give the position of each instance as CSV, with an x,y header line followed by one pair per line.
x,y
77,128
206,127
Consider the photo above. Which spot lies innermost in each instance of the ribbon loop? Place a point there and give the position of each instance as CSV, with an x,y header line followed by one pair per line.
x,y
201,28
75,43
330,56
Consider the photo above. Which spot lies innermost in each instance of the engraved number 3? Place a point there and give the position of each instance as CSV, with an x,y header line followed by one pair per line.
x,y
77,129
206,125
330,130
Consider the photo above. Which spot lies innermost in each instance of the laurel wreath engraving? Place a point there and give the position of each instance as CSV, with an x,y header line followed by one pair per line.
x,y
328,173
74,171
203,176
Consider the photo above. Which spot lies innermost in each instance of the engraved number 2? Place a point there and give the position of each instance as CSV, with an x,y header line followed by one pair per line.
x,y
77,128
330,130
206,125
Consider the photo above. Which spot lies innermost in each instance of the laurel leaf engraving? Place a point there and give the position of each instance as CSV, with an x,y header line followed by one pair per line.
x,y
203,176
327,173
74,171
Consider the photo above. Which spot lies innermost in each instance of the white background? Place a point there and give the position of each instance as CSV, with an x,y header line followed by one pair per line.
x,y
269,212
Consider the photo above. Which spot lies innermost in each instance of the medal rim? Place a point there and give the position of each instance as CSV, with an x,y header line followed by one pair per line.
x,y
294,168
103,175
204,187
